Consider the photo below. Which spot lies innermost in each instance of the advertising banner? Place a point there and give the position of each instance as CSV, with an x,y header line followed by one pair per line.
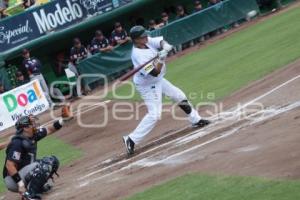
x,y
27,99
51,17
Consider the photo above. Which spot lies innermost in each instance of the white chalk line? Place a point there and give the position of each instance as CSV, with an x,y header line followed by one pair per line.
x,y
201,131
278,112
146,162
78,112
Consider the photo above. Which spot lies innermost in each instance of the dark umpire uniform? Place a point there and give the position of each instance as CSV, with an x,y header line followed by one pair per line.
x,y
32,174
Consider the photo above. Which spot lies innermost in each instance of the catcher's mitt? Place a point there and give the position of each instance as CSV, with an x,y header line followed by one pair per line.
x,y
66,113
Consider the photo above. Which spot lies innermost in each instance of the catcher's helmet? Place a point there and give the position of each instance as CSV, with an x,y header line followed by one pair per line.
x,y
26,121
138,31
23,122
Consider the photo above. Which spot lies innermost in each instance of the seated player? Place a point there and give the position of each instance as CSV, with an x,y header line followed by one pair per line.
x,y
21,79
180,12
197,6
152,25
77,54
100,43
119,35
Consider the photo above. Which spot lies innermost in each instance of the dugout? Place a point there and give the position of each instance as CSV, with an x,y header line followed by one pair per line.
x,y
48,47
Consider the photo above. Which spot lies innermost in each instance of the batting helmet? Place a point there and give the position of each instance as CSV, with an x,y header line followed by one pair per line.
x,y
138,31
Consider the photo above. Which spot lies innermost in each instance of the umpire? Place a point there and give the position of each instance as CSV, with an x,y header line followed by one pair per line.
x,y
22,172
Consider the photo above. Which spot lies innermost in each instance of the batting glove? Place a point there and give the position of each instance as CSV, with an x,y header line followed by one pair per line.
x,y
166,46
162,55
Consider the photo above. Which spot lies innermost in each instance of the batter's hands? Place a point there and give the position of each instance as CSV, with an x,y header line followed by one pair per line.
x,y
162,55
166,46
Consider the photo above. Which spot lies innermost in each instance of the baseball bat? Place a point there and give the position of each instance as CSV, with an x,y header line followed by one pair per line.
x,y
133,71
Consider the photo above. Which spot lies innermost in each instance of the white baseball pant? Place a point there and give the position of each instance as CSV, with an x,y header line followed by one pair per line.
x,y
152,96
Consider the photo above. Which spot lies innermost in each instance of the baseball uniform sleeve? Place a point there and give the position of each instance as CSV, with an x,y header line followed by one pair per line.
x,y
155,42
41,133
15,151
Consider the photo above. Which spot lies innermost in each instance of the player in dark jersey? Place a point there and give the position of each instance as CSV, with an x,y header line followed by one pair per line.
x,y
23,172
78,53
119,35
33,69
100,43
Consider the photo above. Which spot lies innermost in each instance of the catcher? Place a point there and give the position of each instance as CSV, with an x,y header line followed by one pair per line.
x,y
23,172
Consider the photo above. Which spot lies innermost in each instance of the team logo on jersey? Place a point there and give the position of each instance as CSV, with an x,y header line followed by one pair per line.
x,y
16,155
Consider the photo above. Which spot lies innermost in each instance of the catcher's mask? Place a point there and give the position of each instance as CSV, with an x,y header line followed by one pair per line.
x,y
26,122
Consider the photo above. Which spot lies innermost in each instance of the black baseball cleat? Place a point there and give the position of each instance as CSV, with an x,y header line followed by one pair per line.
x,y
201,123
129,145
27,196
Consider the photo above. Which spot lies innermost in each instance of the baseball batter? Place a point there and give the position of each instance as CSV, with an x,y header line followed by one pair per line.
x,y
151,85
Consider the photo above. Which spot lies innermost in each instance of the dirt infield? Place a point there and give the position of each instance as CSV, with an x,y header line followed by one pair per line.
x,y
231,145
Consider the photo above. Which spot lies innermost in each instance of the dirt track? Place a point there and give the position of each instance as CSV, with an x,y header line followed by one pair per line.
x,y
266,145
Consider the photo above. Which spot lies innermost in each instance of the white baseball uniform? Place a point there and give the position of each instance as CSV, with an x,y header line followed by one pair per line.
x,y
152,88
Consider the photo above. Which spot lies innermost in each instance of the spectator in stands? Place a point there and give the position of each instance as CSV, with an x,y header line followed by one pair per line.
x,y
197,6
2,89
33,67
180,12
28,3
100,43
3,6
119,35
213,2
20,79
152,25
78,53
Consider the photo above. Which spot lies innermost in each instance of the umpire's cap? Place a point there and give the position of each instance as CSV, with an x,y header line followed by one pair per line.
x,y
137,32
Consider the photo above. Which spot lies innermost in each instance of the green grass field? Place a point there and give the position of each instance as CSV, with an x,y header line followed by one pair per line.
x,y
204,187
49,146
223,68
234,62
